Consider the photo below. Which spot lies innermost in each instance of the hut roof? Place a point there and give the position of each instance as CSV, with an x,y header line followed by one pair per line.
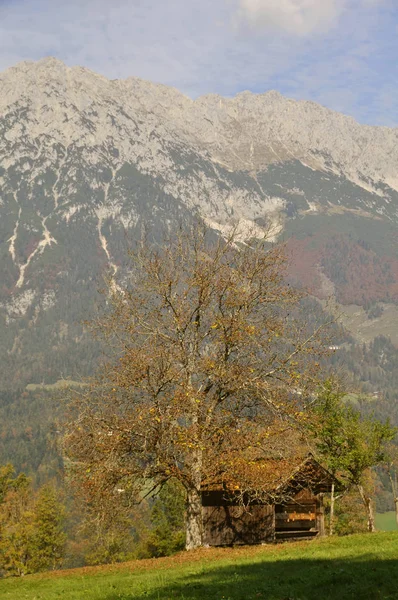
x,y
273,477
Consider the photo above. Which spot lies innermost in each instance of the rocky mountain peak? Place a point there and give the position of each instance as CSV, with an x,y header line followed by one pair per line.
x,y
246,132
87,162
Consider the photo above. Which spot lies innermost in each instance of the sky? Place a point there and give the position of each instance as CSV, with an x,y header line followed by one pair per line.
x,y
340,53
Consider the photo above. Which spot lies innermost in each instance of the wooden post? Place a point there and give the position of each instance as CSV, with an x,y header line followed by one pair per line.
x,y
332,504
273,537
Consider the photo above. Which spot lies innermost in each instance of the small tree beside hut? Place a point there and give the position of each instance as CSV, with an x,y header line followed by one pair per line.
x,y
348,444
392,472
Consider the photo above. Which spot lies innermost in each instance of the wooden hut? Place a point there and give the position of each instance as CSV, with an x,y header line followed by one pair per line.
x,y
292,508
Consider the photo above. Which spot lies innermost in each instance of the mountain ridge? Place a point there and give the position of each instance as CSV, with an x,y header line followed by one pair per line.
x,y
226,107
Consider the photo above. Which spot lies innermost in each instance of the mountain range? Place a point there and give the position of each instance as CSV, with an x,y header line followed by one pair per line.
x,y
87,163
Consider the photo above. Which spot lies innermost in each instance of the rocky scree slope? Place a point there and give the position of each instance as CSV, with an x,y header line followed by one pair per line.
x,y
86,163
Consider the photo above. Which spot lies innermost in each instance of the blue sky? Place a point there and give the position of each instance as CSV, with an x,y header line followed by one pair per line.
x,y
341,53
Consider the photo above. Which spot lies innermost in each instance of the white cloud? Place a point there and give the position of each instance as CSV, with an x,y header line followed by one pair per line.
x,y
299,17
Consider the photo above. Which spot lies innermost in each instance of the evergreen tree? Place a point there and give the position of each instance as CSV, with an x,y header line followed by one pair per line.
x,y
16,526
49,538
167,519
31,526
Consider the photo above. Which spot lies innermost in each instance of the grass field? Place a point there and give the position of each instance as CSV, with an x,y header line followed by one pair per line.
x,y
361,567
386,522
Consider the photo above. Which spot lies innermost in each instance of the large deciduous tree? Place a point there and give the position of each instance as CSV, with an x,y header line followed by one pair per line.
x,y
207,358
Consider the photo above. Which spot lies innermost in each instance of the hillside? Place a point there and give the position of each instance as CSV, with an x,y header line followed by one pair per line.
x,y
360,566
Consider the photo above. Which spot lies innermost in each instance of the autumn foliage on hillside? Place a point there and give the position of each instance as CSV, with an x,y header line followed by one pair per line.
x,y
356,274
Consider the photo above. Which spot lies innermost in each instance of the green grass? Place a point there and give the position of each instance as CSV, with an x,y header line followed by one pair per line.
x,y
361,567
386,522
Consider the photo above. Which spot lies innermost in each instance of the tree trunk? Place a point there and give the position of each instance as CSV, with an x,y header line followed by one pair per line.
x,y
194,519
194,497
332,502
369,509
320,516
